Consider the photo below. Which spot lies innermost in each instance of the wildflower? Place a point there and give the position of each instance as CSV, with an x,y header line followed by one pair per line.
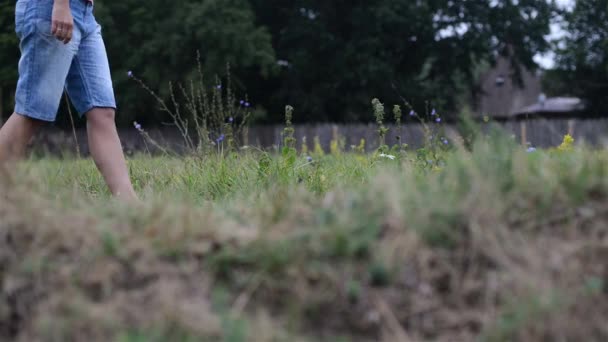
x,y
438,120
309,159
219,86
231,119
531,149
247,104
242,102
567,143
391,157
130,74
220,139
318,149
444,141
412,113
361,147
378,108
397,113
137,126
434,112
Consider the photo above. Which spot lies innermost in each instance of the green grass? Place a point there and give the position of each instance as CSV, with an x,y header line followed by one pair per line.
x,y
212,178
272,247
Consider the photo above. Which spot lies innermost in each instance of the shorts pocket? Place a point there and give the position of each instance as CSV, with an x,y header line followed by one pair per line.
x,y
43,27
20,11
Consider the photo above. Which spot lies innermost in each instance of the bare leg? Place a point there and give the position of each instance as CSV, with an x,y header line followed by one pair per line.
x,y
15,135
106,150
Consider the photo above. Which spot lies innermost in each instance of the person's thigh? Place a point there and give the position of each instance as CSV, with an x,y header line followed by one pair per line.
x,y
44,63
89,82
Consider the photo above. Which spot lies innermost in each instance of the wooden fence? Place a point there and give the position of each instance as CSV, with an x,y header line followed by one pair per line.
x,y
538,132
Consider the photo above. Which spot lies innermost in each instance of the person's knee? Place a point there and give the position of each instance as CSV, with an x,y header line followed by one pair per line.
x,y
22,126
101,116
26,121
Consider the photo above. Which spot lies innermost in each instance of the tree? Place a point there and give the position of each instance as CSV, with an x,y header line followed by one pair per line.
x,y
158,41
339,54
582,60
326,58
9,55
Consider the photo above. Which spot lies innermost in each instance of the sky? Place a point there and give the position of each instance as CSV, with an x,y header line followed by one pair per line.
x,y
547,60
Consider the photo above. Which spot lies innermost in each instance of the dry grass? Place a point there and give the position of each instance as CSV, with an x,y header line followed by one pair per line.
x,y
498,245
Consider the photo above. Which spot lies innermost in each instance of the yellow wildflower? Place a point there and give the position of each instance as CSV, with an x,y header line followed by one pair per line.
x,y
567,144
318,149
334,147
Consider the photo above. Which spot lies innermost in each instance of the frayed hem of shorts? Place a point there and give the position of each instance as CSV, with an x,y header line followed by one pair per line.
x,y
97,105
29,115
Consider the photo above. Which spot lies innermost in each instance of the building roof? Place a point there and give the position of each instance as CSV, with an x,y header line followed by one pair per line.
x,y
553,105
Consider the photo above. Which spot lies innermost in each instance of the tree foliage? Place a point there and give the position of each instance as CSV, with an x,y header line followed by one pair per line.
x,y
9,52
159,42
583,56
342,53
326,58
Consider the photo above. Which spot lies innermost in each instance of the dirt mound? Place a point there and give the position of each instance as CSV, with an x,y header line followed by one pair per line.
x,y
178,272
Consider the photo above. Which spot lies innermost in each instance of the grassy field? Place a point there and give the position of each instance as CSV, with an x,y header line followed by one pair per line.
x,y
489,243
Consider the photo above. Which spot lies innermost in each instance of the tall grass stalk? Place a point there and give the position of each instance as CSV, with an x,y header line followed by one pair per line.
x,y
208,118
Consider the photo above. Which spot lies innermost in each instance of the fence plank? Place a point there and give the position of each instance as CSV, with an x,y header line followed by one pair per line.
x,y
541,133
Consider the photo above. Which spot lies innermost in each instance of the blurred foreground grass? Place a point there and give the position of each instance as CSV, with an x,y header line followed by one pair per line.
x,y
489,243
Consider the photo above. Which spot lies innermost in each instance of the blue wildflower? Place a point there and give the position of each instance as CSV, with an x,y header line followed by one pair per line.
x,y
219,86
220,138
412,113
242,102
137,126
309,159
531,149
434,112
231,119
130,74
438,120
247,104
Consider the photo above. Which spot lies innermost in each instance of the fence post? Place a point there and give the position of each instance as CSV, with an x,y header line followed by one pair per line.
x,y
571,127
334,132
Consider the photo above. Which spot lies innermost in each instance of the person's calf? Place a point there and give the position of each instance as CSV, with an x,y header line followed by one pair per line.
x,y
15,135
107,153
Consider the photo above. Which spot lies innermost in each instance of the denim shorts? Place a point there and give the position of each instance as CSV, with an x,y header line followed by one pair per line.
x,y
48,66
